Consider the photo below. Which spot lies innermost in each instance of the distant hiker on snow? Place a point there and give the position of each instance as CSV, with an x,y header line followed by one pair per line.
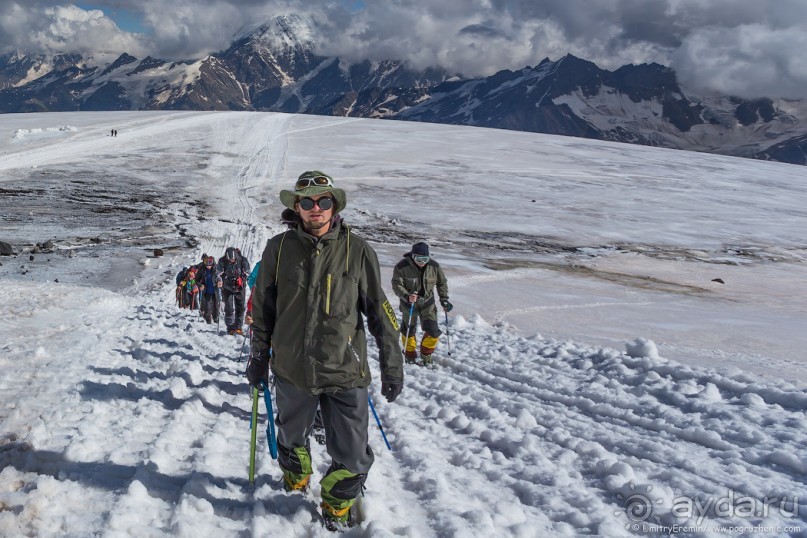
x,y
187,290
201,264
316,281
234,270
209,283
413,281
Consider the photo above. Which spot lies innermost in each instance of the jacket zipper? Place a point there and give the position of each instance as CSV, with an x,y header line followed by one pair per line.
x,y
328,295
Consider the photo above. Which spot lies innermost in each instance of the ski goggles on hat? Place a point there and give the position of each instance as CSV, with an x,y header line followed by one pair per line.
x,y
318,181
421,258
323,203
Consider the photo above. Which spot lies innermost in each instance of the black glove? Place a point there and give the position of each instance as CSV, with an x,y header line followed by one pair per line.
x,y
258,369
448,307
391,390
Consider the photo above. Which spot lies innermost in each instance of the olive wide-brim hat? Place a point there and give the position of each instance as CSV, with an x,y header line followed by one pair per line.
x,y
313,183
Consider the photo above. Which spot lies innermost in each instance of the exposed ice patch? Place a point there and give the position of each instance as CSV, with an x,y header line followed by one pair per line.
x,y
22,133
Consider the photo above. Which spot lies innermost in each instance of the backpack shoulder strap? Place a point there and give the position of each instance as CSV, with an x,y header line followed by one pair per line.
x,y
279,251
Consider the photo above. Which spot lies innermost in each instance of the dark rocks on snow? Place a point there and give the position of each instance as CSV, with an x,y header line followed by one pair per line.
x,y
718,280
158,252
6,249
31,257
46,246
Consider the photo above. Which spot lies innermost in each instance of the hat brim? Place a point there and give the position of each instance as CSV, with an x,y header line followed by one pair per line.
x,y
289,198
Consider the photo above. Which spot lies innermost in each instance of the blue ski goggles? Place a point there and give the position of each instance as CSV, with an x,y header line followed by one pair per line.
x,y
421,259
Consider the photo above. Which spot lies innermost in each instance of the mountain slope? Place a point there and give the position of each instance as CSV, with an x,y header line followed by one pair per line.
x,y
273,67
125,416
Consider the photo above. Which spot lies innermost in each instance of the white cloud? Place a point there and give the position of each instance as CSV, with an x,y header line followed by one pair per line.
x,y
714,43
188,29
64,29
748,61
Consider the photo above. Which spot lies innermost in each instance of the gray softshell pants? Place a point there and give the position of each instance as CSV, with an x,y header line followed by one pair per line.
x,y
345,416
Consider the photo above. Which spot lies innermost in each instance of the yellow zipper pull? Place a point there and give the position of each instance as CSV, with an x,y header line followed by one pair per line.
x,y
328,295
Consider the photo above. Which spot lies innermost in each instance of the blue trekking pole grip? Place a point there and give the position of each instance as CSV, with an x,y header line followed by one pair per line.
x,y
271,438
377,421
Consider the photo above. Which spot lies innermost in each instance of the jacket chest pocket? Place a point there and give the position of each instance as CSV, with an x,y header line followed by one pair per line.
x,y
295,275
292,285
340,294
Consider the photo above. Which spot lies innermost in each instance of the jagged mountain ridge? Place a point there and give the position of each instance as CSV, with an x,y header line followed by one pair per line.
x,y
273,67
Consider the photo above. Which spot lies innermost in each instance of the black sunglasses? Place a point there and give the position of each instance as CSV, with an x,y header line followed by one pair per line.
x,y
323,203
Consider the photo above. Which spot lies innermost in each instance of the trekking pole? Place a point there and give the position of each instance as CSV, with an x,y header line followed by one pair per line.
x,y
409,324
448,334
240,357
253,436
271,438
218,311
377,421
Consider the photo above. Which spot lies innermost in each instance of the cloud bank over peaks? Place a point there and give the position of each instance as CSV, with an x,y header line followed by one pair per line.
x,y
55,29
748,48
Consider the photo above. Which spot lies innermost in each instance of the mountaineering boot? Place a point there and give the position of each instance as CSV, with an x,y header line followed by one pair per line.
x,y
352,519
334,522
296,466
340,489
427,346
296,482
409,346
426,360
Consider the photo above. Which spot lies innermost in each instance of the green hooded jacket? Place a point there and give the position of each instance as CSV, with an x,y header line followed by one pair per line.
x,y
307,306
408,278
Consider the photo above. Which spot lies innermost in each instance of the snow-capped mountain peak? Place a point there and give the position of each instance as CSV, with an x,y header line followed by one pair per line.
x,y
272,66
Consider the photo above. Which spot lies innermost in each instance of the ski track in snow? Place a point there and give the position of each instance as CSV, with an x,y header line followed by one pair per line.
x,y
148,431
261,143
558,433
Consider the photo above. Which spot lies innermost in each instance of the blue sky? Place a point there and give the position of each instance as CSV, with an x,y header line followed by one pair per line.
x,y
126,19
131,20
